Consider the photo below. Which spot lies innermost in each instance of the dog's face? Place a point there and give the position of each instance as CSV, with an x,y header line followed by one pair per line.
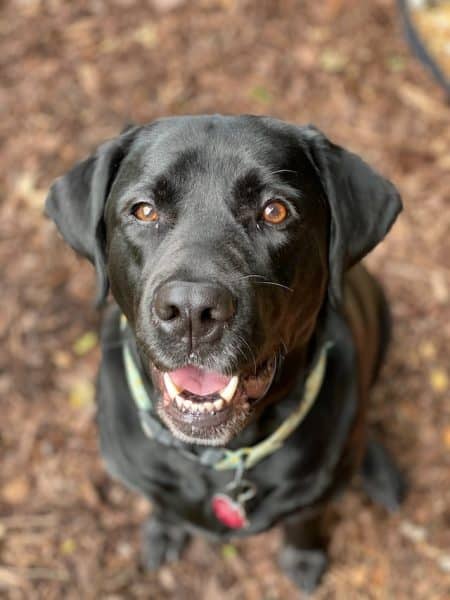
x,y
201,227
220,237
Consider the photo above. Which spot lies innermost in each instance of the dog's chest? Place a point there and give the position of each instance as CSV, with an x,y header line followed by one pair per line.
x,y
189,491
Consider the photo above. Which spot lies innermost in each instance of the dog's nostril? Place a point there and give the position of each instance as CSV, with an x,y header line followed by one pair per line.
x,y
171,313
206,315
223,310
166,311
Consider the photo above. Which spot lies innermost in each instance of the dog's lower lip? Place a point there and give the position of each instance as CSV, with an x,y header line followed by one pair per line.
x,y
198,419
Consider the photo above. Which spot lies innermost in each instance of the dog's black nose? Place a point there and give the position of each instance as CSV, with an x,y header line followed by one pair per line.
x,y
195,311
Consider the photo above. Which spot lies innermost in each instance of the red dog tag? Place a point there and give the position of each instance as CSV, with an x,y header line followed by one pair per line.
x,y
228,506
229,512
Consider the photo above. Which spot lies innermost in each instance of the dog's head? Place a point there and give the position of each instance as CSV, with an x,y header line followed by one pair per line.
x,y
221,239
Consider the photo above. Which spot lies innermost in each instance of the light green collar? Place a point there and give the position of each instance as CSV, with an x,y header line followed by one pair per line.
x,y
222,459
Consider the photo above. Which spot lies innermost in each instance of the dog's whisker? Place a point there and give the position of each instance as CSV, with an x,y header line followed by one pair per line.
x,y
266,281
280,285
282,171
251,353
236,349
251,275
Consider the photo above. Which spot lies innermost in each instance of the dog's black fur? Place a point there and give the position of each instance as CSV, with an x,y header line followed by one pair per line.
x,y
209,178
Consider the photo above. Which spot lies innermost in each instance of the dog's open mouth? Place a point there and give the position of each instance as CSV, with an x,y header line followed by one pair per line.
x,y
207,407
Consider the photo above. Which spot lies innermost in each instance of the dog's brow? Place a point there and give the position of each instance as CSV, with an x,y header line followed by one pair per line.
x,y
247,184
162,188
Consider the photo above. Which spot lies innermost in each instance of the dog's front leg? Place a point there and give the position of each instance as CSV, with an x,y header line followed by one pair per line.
x,y
163,541
303,556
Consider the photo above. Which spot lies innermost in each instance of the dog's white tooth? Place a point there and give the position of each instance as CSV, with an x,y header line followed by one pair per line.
x,y
229,390
171,388
208,406
218,404
179,401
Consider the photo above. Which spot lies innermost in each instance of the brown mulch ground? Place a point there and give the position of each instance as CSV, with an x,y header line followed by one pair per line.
x,y
72,74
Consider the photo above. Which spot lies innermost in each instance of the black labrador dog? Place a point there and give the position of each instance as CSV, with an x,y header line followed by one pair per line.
x,y
244,337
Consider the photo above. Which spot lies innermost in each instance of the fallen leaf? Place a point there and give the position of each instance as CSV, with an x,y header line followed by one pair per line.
x,y
16,490
89,494
446,436
332,61
111,44
8,578
417,98
444,562
358,575
82,394
413,532
89,80
396,63
26,188
229,551
62,359
439,287
167,579
167,5
68,546
427,350
261,94
439,380
146,36
124,549
85,343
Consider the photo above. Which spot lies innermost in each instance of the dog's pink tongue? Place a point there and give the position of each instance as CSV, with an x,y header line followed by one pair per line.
x,y
197,381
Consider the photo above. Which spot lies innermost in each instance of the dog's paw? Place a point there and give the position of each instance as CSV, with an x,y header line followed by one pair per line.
x,y
382,480
161,543
304,567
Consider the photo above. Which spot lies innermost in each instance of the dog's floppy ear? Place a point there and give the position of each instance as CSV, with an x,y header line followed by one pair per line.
x,y
363,205
76,204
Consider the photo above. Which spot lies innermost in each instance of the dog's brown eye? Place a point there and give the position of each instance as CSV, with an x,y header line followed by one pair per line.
x,y
275,212
145,212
